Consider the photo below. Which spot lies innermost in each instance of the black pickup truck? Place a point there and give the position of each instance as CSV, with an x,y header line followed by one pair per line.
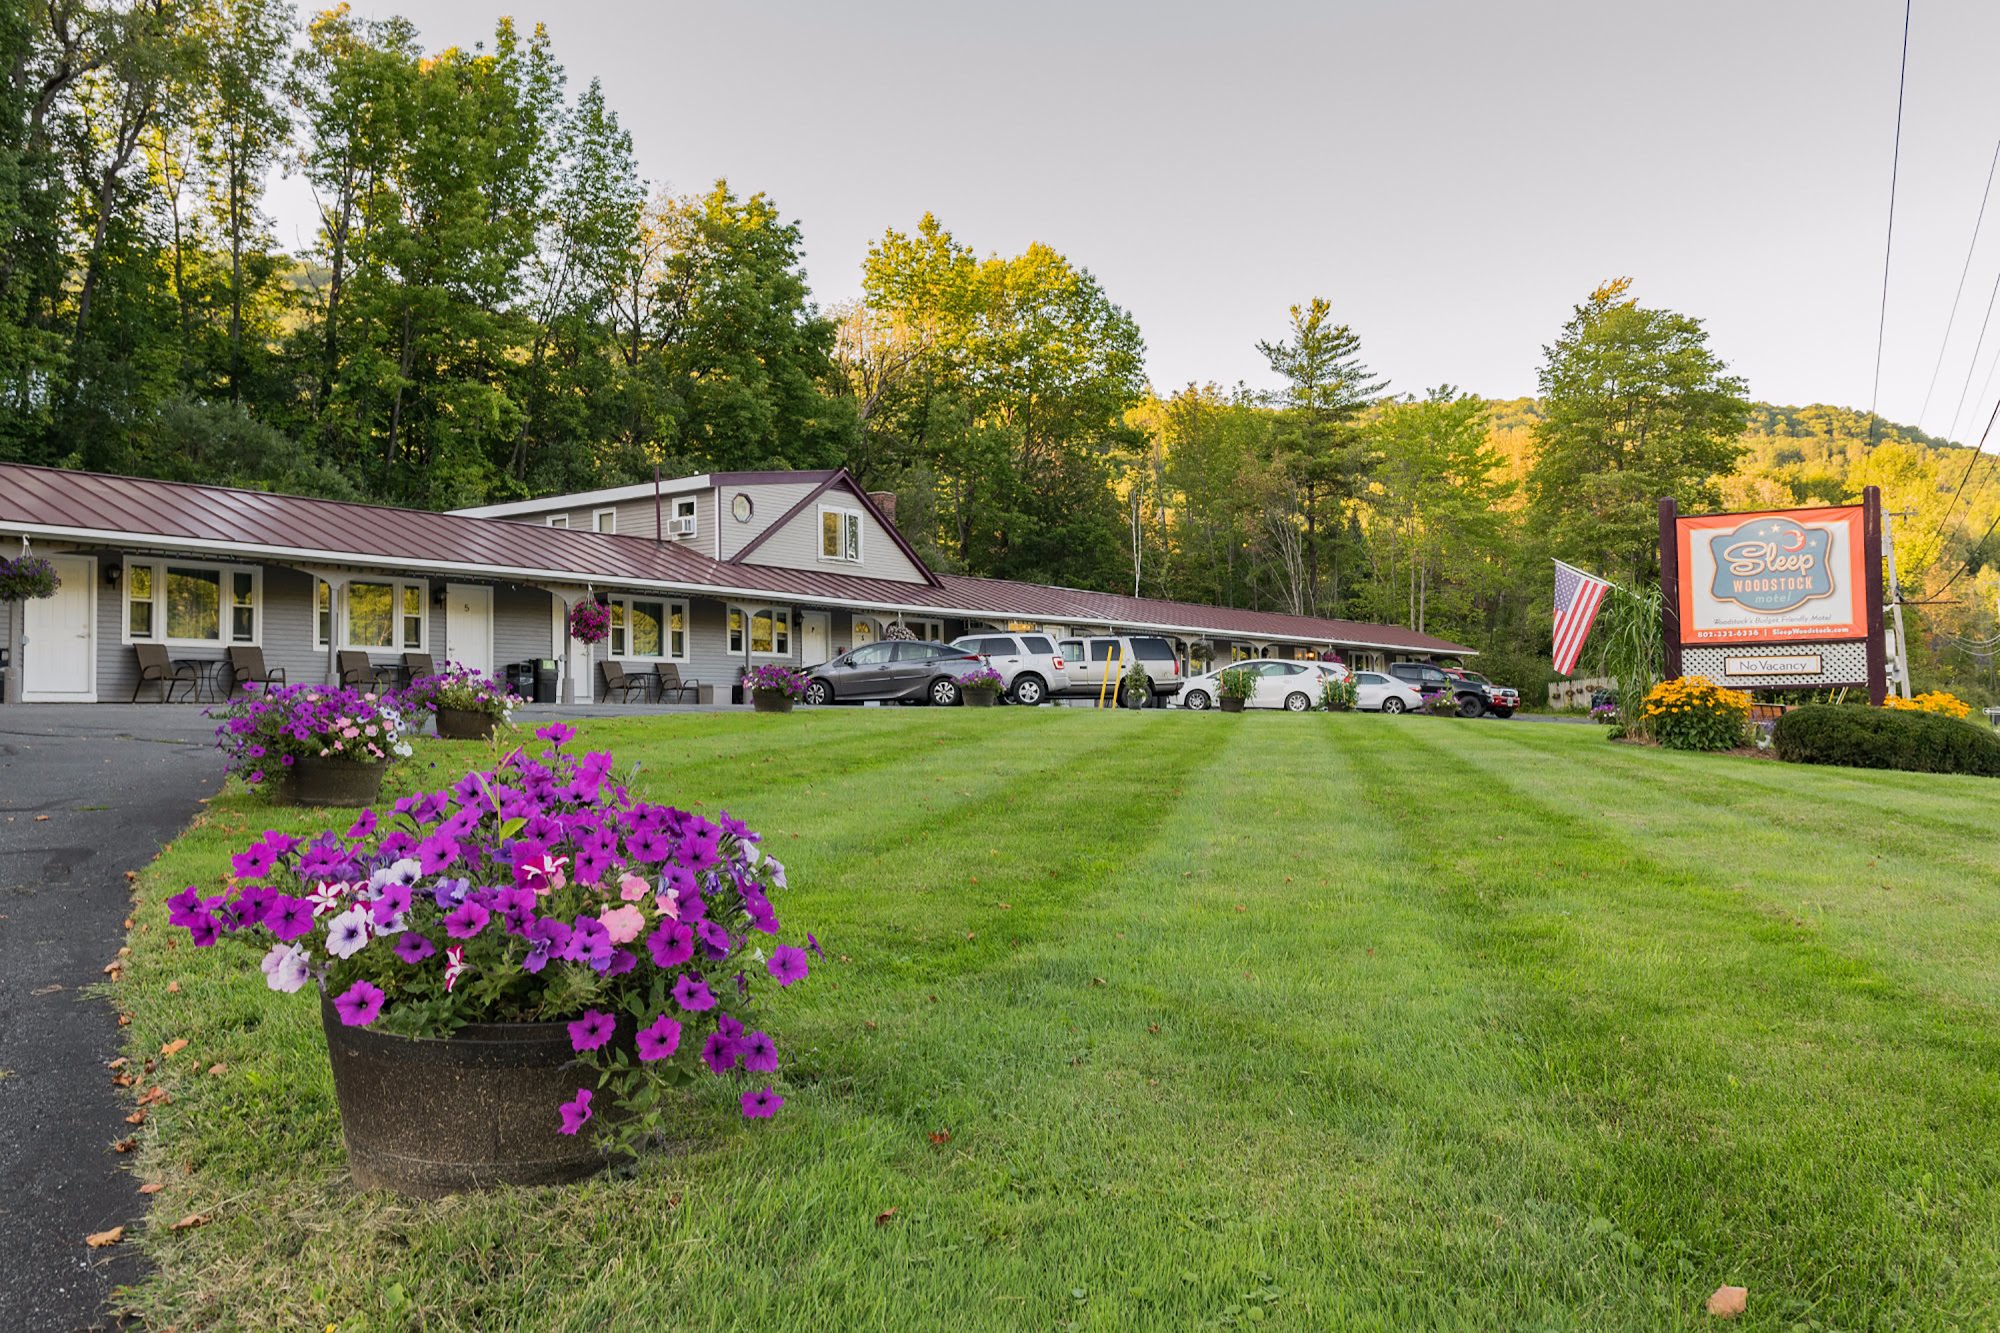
x,y
1475,694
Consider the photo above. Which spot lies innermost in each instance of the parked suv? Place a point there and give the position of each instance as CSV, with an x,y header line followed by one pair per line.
x,y
1086,659
1030,667
893,669
1471,691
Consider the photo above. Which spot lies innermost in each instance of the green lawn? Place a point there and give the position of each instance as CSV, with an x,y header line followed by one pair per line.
x,y
1327,1021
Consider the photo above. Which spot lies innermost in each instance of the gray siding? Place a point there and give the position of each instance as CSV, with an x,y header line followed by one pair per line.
x,y
634,518
770,501
796,546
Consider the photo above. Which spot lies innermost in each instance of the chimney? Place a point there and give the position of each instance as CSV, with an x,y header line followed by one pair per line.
x,y
886,502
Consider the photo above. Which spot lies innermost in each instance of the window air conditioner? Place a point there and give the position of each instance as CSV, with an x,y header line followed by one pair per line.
x,y
682,527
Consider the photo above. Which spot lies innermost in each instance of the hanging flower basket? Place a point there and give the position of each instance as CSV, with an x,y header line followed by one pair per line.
x,y
26,579
589,622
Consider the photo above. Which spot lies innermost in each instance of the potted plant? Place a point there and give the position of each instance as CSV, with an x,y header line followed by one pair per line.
x,y
27,578
466,704
1440,703
1235,685
1136,689
774,687
1338,696
518,972
589,621
980,687
310,744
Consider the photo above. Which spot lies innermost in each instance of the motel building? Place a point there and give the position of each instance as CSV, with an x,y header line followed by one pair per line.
x,y
712,574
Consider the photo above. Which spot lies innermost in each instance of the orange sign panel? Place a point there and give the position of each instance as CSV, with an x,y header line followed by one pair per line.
x,y
1781,576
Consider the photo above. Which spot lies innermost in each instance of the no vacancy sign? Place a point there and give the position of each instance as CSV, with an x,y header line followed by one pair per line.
x,y
1783,598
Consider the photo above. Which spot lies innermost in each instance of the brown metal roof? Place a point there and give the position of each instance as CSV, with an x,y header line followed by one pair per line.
x,y
260,525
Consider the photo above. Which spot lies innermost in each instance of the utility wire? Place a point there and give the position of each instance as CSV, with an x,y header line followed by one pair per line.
x,y
1963,273
1889,240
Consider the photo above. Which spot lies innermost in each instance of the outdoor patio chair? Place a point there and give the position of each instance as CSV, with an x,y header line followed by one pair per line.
x,y
356,669
156,668
246,665
418,664
615,678
667,680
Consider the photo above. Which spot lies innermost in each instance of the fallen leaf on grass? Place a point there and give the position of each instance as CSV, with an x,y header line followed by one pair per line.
x,y
191,1220
217,1070
97,1240
1241,908
154,1096
1152,1027
1097,981
121,1080
131,874
941,1137
173,988
111,969
125,1145
1728,1302
118,1063
868,1023
152,1187
883,1218
174,1047
136,1118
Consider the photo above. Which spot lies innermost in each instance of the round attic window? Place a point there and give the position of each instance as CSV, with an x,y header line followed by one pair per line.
x,y
742,508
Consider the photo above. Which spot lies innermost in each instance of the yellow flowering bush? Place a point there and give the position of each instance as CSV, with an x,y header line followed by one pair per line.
x,y
1937,701
1694,713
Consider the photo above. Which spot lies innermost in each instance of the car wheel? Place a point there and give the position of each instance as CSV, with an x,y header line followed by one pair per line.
x,y
944,692
1029,690
1298,703
1197,700
818,692
1469,705
1503,713
1392,705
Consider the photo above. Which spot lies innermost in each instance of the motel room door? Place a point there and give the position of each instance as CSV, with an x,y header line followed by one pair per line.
x,y
468,626
59,661
815,631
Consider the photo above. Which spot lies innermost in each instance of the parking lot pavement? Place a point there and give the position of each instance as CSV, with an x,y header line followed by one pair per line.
x,y
87,792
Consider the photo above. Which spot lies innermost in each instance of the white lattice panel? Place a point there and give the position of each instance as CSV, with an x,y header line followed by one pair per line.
x,y
1840,664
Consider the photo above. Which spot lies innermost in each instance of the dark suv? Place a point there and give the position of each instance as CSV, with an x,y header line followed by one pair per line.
x,y
1473,692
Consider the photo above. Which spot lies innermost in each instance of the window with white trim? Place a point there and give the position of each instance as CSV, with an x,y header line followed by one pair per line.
x,y
684,524
649,627
391,615
558,520
604,520
322,614
770,631
840,534
187,603
925,629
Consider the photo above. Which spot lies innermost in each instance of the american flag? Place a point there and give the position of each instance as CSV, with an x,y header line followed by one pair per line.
x,y
1578,595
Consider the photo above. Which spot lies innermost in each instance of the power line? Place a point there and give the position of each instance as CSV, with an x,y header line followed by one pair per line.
x,y
1889,241
1963,273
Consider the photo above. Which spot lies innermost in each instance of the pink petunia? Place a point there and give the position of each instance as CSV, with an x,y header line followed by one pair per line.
x,y
623,924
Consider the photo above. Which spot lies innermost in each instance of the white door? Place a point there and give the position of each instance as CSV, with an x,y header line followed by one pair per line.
x,y
579,683
814,631
468,626
59,658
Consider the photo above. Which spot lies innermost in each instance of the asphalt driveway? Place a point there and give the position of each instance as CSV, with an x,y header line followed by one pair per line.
x,y
87,792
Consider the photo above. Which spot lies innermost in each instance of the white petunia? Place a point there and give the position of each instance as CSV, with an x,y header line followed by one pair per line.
x,y
347,933
289,973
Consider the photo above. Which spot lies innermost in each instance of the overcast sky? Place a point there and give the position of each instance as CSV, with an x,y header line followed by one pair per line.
x,y
1453,176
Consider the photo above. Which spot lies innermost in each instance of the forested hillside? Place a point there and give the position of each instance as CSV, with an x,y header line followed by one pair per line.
x,y
495,304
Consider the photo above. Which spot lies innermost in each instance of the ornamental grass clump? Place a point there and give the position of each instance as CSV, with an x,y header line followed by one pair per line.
x,y
537,891
1694,713
269,730
775,678
461,688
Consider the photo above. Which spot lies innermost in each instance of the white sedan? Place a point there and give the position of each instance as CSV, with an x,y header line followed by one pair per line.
x,y
1292,686
1375,691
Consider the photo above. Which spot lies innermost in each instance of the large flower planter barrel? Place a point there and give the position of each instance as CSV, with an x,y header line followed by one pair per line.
x,y
464,724
1230,705
334,782
430,1116
771,701
979,698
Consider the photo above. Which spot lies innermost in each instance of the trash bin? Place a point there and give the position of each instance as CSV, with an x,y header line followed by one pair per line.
x,y
545,680
521,680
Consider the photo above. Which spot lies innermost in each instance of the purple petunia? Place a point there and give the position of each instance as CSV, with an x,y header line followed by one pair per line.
x,y
813,944
467,921
576,1113
671,944
762,1104
691,994
788,964
393,902
714,941
204,930
254,861
720,1053
660,1040
363,826
287,917
591,1031
184,907
358,1004
760,1053
556,733
413,948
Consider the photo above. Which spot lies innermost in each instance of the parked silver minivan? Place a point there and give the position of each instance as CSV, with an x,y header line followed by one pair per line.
x,y
1030,667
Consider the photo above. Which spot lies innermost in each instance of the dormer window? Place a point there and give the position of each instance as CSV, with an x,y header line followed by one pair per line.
x,y
840,534
558,520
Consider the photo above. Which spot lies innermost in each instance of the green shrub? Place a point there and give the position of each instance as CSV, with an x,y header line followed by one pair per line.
x,y
1883,738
